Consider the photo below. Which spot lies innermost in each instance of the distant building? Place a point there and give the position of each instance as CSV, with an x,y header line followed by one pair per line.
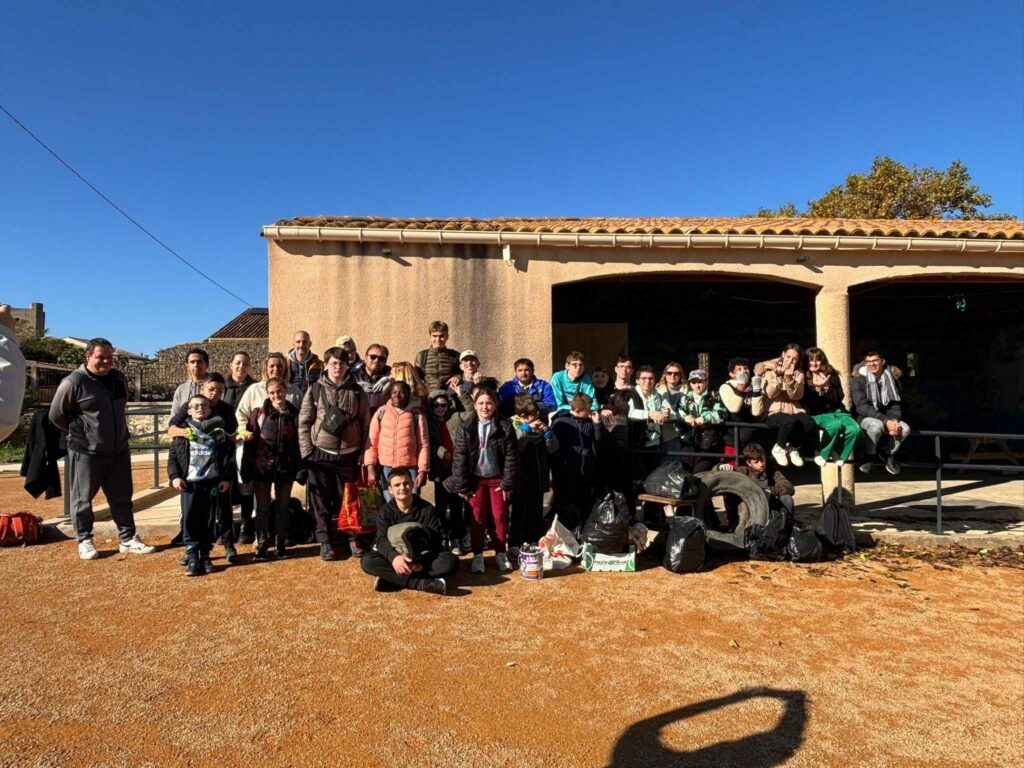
x,y
34,316
123,353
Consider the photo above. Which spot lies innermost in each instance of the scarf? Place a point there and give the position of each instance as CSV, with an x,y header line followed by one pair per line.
x,y
886,393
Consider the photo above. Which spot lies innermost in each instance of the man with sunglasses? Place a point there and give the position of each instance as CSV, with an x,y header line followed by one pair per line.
x,y
373,374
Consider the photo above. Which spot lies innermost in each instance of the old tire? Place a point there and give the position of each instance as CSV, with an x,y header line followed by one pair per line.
x,y
753,509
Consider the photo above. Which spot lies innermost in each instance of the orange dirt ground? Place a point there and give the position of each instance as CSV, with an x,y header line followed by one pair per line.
x,y
14,497
880,660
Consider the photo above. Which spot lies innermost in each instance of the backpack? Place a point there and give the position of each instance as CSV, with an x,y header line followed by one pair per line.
x,y
18,529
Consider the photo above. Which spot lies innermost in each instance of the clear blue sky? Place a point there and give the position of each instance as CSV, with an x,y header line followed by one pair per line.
x,y
206,121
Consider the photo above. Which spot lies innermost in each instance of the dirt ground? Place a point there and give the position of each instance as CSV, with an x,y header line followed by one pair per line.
x,y
884,659
13,496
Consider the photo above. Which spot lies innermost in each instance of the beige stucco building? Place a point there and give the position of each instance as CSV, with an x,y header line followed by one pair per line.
x,y
499,282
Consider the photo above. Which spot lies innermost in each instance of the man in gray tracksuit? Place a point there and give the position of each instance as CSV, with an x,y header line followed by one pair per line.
x,y
90,406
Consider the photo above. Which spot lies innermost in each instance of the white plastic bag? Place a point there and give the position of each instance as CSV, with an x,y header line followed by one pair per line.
x,y
558,546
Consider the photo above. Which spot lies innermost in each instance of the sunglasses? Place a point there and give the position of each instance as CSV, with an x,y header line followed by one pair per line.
x,y
378,357
673,373
440,406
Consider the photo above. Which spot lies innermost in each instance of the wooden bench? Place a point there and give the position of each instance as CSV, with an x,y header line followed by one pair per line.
x,y
669,504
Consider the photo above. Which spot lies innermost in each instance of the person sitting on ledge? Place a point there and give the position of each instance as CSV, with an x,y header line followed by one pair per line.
x,y
408,552
878,403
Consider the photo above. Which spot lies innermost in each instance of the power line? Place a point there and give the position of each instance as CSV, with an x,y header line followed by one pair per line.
x,y
120,210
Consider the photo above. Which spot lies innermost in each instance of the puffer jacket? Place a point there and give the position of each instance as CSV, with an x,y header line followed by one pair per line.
x,y
348,396
784,396
436,366
501,440
93,416
399,437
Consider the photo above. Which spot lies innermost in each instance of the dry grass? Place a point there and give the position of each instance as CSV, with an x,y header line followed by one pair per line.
x,y
871,662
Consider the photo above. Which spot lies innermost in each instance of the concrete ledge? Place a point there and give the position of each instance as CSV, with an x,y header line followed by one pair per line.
x,y
980,539
150,497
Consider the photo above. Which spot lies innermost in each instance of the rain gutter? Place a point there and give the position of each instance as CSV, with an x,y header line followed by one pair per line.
x,y
618,240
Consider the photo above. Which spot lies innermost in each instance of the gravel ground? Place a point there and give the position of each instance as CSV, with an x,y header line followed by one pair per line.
x,y
885,659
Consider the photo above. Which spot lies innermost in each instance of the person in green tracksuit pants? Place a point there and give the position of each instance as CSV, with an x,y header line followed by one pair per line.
x,y
823,400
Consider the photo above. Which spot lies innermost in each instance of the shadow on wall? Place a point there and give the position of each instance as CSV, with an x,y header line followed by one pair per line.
x,y
641,744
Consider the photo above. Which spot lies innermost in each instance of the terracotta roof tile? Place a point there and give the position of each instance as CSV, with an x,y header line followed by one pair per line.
x,y
954,228
253,323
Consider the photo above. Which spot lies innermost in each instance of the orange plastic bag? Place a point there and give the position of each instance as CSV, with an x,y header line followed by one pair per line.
x,y
359,507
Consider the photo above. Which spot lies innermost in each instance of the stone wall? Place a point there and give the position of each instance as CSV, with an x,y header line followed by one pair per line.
x,y
33,315
167,371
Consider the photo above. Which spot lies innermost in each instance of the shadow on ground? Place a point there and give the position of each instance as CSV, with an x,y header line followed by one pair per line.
x,y
641,744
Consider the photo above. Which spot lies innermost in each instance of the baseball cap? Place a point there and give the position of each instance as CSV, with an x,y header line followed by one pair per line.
x,y
697,375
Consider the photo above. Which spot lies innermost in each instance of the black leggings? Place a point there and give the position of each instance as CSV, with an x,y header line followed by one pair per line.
x,y
796,429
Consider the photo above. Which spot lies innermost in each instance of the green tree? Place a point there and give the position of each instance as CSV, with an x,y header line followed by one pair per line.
x,y
891,190
46,349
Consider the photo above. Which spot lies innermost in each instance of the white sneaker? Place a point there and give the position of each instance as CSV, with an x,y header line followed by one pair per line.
x,y
136,546
501,560
779,454
795,458
87,550
478,564
866,467
820,461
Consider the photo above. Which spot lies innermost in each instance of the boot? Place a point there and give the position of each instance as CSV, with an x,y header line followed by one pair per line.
x,y
193,565
280,551
245,533
259,554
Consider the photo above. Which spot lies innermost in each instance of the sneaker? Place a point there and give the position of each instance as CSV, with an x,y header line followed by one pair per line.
x,y
795,458
87,550
433,586
501,560
355,548
866,467
280,552
246,537
230,553
183,560
820,461
478,564
207,565
194,567
779,454
136,546
891,466
259,553
326,552
840,462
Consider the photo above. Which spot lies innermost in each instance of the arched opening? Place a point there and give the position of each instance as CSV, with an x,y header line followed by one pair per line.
x,y
689,318
959,343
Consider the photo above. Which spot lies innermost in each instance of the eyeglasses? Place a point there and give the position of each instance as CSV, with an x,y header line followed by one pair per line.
x,y
440,406
377,357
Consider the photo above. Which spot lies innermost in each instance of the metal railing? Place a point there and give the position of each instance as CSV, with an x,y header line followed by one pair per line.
x,y
937,466
155,447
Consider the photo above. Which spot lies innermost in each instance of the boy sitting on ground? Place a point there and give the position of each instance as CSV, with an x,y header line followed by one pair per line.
x,y
775,485
408,553
201,466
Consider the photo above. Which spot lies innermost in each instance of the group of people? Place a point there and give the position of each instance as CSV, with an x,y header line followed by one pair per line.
x,y
491,449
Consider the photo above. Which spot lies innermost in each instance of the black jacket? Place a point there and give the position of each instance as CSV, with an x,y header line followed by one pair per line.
x,y
578,441
234,390
44,446
223,453
272,454
828,401
501,440
863,406
422,512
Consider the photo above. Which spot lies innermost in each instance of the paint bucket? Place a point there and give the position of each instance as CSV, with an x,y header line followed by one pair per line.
x,y
531,563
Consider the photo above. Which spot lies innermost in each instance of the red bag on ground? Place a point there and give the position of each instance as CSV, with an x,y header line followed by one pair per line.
x,y
359,507
18,529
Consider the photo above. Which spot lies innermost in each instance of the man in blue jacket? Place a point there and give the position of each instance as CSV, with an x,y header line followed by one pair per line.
x,y
525,383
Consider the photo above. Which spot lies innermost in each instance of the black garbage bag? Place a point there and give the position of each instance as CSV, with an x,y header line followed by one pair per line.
x,y
684,546
769,541
804,546
607,528
834,529
673,480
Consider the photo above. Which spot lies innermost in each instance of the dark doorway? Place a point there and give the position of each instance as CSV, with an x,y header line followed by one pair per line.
x,y
960,345
660,318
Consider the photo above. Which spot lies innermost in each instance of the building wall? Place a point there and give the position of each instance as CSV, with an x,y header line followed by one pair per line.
x,y
503,309
33,315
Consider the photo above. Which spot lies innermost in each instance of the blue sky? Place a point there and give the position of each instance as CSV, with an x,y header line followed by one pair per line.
x,y
207,120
